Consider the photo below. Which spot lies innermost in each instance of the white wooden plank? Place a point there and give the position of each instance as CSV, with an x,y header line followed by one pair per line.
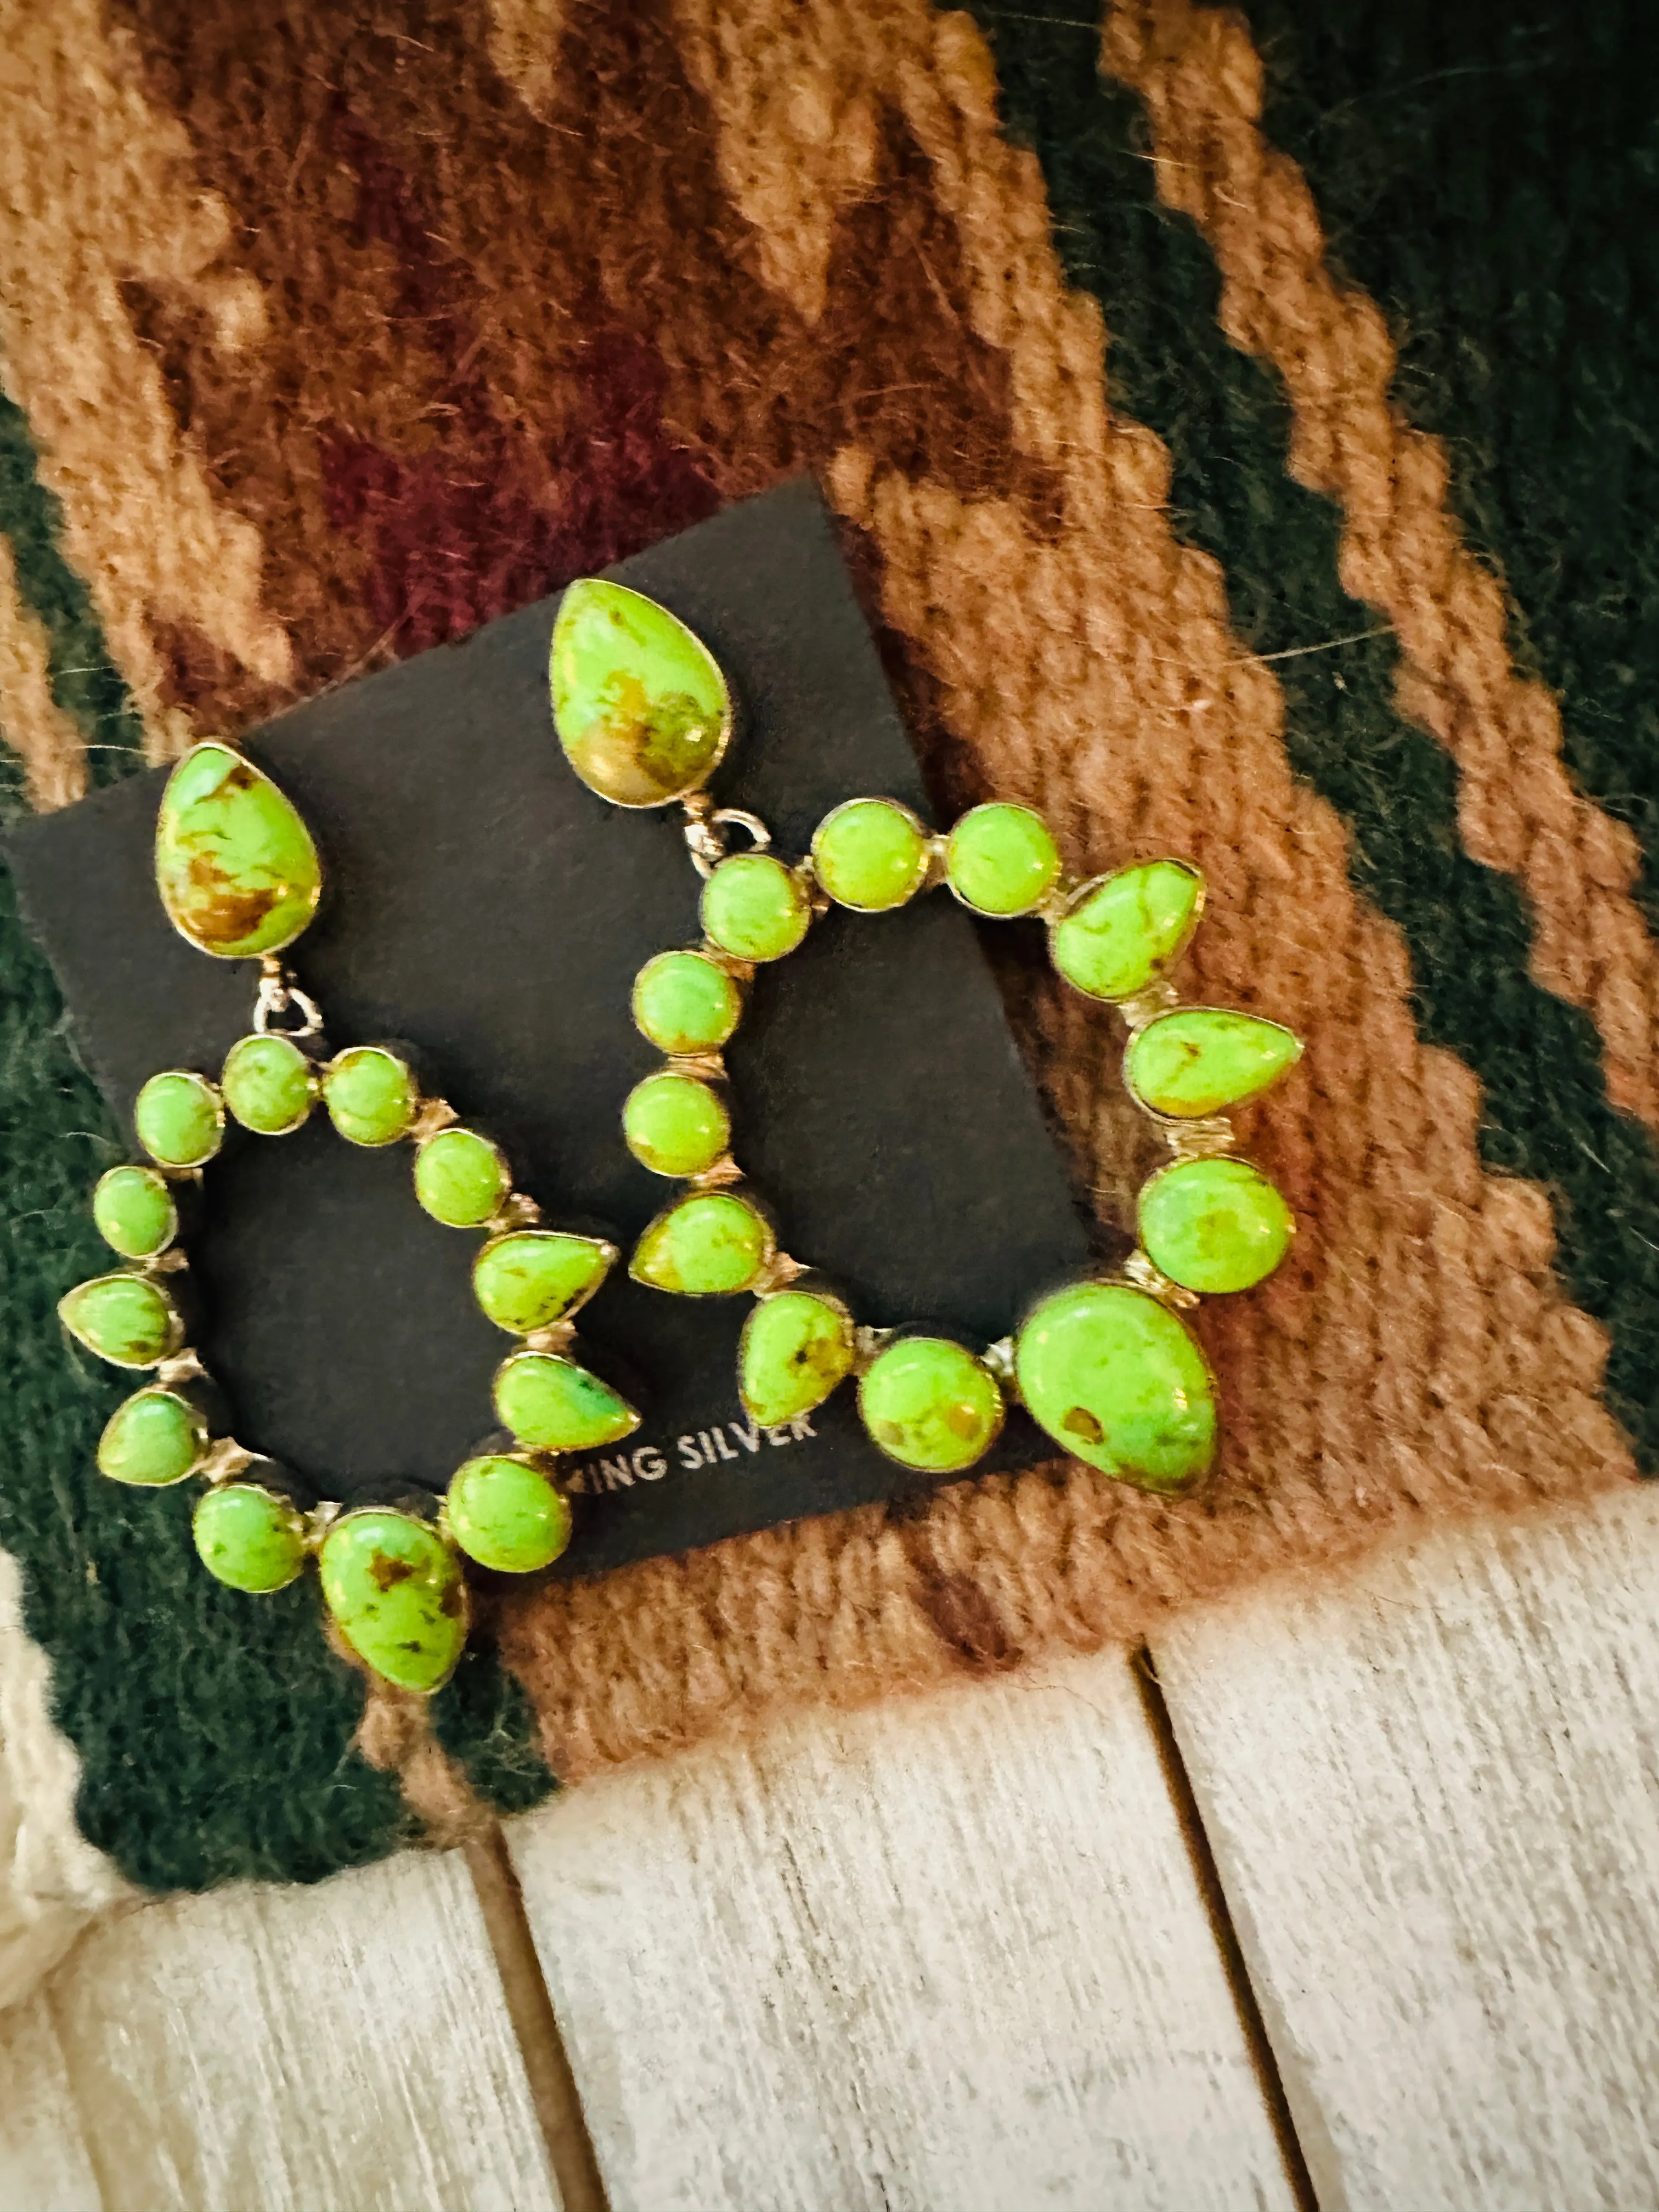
x,y
949,1954
44,2165
1432,1792
340,2049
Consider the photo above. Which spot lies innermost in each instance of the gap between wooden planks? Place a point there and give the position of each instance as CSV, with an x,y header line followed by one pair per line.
x,y
948,1953
1432,1794
953,1954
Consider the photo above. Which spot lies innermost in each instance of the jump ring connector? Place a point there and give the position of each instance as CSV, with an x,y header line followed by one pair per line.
x,y
278,995
705,834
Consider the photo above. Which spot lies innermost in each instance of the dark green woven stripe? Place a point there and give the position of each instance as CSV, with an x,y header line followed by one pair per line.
x,y
1489,172
1226,422
483,1720
84,680
215,1729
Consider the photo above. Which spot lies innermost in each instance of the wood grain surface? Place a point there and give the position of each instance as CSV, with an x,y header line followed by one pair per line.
x,y
341,2049
1432,1794
45,2166
949,1954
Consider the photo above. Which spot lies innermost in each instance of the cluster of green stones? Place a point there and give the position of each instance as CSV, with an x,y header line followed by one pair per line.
x,y
239,878
1107,1368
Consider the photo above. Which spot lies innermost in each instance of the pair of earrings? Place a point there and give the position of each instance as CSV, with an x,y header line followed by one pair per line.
x,y
644,715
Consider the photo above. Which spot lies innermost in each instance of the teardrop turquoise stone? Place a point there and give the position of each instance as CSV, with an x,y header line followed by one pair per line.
x,y
249,1538
1118,1381
156,1438
125,1319
555,1406
395,1589
235,865
531,1278
1198,1060
640,704
795,1349
1123,931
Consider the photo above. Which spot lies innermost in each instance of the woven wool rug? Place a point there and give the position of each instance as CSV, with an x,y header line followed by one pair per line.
x,y
1245,427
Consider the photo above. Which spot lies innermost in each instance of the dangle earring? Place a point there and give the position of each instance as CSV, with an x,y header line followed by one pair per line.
x,y
240,879
1104,1365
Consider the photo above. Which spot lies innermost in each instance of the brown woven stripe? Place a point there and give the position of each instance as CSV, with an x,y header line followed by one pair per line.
x,y
404,442
395,1734
32,723
96,193
487,415
892,358
797,92
1401,550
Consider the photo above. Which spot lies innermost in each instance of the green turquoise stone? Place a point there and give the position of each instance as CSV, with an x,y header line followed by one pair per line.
x,y
795,1348
249,1538
531,1278
234,864
371,1095
1002,859
506,1514
460,1178
705,1247
1192,1062
754,907
550,1403
135,1211
178,1119
269,1084
1119,1382
685,1002
928,1403
1123,931
675,1125
156,1438
124,1319
394,1588
870,854
1214,1224
640,704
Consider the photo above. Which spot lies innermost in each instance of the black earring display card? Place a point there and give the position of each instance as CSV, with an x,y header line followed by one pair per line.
x,y
485,909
